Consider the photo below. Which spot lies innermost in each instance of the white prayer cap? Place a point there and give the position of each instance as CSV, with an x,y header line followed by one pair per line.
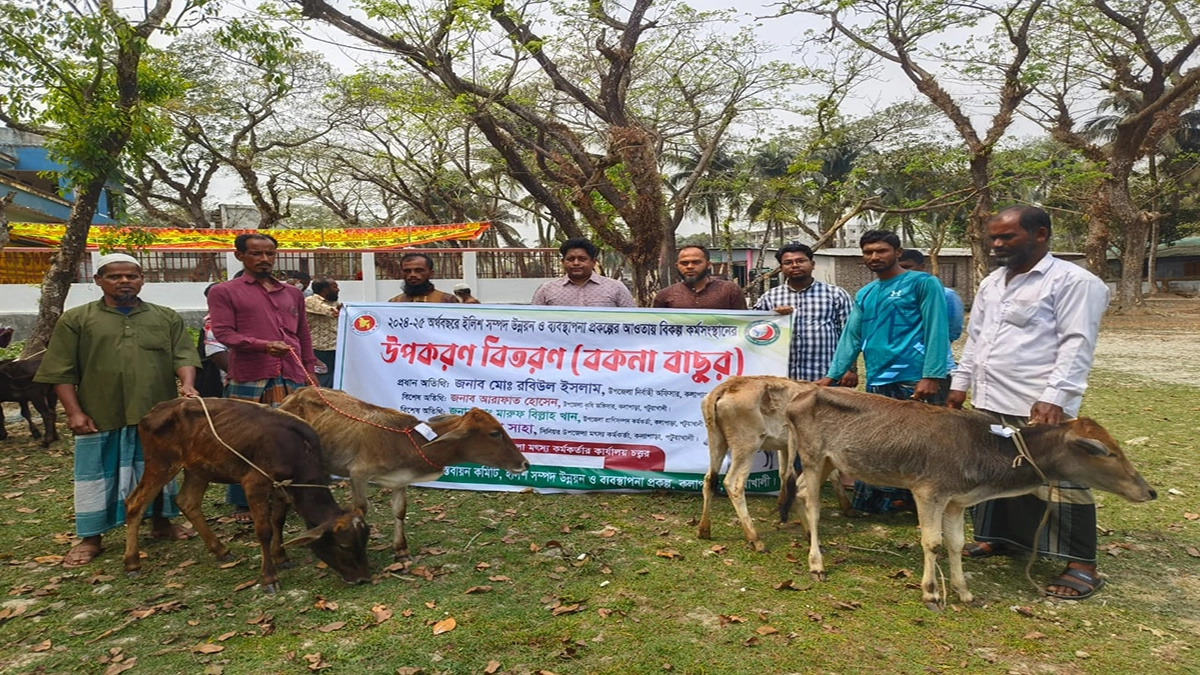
x,y
116,258
461,286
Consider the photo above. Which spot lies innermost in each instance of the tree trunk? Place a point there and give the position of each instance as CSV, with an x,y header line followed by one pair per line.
x,y
57,282
1135,226
977,224
1152,257
5,201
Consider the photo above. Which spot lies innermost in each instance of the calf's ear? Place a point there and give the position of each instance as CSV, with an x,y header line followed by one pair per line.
x,y
1089,445
308,536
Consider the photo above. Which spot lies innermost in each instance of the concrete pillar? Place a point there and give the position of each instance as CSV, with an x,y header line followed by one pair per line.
x,y
368,276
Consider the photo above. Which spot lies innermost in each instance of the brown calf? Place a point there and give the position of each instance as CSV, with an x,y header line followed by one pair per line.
x,y
176,435
17,385
396,460
950,459
744,415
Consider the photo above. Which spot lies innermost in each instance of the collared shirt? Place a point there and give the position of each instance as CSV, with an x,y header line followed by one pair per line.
x,y
716,294
322,322
246,316
432,296
819,315
899,325
598,291
123,365
1032,339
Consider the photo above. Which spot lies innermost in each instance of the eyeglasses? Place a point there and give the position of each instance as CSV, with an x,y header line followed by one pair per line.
x,y
794,263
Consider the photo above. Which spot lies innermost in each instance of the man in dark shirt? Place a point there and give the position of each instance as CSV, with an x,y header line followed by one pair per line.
x,y
417,269
264,324
699,290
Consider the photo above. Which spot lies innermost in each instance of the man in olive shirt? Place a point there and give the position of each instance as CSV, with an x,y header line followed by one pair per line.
x,y
110,361
699,290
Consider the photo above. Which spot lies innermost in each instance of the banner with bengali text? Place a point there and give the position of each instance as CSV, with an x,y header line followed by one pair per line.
x,y
596,398
333,239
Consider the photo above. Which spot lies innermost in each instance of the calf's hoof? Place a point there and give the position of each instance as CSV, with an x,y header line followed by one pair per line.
x,y
224,557
133,574
933,605
270,589
759,547
817,575
284,564
401,556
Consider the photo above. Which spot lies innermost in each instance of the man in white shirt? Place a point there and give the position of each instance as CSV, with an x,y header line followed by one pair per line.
x,y
1029,349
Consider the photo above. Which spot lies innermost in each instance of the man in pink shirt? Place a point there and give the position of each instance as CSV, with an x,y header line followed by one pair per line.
x,y
263,323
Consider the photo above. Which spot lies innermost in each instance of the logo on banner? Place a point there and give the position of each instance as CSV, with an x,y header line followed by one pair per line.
x,y
365,323
762,333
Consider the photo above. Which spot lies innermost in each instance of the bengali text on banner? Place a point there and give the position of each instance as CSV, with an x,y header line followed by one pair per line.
x,y
596,399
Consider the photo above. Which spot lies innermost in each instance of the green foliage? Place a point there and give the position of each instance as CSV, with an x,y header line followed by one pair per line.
x,y
126,239
56,77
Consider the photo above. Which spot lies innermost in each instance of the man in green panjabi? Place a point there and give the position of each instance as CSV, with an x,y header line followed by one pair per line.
x,y
110,361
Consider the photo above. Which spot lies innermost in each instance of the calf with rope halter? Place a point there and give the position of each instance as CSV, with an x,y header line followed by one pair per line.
x,y
372,443
274,456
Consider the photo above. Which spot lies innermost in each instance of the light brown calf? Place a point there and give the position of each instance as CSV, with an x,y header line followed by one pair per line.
x,y
396,460
949,459
744,415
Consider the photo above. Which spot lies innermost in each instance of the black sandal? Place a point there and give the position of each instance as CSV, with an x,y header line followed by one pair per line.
x,y
1086,583
983,549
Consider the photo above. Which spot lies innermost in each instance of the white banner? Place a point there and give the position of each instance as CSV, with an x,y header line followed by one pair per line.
x,y
596,398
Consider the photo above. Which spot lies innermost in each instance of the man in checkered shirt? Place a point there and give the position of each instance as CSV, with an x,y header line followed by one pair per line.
x,y
819,312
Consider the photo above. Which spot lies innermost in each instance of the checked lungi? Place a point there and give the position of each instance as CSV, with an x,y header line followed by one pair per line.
x,y
108,466
1070,533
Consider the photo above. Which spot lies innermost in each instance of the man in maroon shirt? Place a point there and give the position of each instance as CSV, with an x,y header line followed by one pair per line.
x,y
699,290
264,324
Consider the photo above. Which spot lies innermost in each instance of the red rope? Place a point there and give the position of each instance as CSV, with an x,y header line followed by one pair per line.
x,y
312,382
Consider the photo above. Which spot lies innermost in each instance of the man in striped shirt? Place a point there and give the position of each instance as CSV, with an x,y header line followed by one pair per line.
x,y
819,312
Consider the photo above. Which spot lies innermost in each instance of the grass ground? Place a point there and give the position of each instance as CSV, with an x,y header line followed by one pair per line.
x,y
606,583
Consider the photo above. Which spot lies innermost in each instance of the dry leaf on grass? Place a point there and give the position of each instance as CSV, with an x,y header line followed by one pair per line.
x,y
445,625
48,559
731,618
491,668
901,574
120,666
322,603
330,627
244,585
1035,635
1193,551
477,589
766,630
668,553
499,578
381,613
230,565
214,669
258,619
851,606
482,566
1191,516
751,641
559,610
42,646
407,670
225,636
786,585
315,662
207,648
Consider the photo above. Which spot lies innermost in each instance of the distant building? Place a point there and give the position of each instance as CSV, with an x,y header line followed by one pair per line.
x,y
24,165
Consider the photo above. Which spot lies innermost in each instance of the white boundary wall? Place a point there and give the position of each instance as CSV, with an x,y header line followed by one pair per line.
x,y
19,299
